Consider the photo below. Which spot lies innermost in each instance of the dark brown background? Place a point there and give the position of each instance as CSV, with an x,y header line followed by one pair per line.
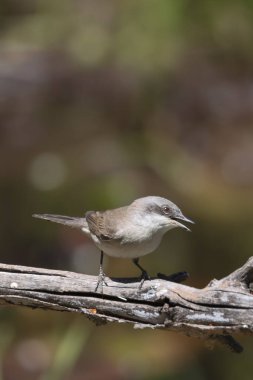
x,y
102,102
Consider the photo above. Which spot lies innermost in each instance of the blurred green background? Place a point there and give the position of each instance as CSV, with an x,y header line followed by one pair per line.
x,y
102,102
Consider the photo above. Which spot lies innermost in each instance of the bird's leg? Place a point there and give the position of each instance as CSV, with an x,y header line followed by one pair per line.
x,y
101,276
144,273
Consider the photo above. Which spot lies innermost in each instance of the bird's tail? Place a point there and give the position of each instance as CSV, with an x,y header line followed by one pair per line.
x,y
70,221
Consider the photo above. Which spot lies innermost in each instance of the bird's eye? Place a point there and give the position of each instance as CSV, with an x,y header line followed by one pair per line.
x,y
166,210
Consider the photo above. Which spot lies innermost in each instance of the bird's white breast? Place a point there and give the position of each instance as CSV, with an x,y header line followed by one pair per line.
x,y
128,249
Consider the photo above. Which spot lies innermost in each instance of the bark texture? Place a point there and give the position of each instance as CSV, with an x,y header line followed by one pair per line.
x,y
223,308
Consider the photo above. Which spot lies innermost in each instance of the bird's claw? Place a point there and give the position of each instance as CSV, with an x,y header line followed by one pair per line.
x,y
101,282
144,276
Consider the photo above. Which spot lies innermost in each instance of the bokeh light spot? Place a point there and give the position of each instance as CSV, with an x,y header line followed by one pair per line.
x,y
47,171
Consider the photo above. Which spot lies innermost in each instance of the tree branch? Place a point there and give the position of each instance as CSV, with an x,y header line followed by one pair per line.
x,y
222,308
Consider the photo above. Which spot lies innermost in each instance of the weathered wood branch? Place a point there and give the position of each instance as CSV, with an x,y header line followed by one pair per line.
x,y
222,308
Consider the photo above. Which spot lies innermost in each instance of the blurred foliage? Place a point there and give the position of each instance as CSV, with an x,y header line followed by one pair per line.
x,y
102,102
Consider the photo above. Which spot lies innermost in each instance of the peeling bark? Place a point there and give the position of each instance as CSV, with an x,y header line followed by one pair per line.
x,y
222,308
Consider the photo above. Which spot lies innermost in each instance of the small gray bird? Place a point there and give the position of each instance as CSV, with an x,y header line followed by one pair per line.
x,y
127,232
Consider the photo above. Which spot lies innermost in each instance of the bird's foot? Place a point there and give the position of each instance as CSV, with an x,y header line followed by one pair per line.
x,y
144,276
101,282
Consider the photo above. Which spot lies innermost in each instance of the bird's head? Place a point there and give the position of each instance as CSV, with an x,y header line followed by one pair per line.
x,y
161,213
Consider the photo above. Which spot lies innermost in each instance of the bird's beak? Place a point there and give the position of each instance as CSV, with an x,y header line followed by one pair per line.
x,y
183,218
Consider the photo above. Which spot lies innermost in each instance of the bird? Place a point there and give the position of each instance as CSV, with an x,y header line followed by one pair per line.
x,y
127,232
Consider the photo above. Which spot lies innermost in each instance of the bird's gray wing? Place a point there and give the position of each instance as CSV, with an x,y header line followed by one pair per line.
x,y
101,225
